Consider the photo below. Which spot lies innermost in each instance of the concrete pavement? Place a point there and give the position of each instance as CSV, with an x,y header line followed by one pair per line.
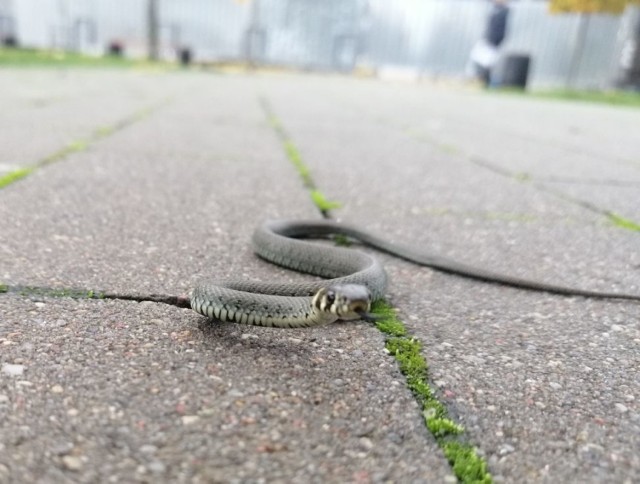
x,y
96,390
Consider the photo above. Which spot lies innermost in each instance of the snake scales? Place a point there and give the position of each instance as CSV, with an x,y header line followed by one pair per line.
x,y
355,278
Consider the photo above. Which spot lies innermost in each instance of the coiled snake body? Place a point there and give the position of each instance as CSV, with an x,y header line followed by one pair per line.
x,y
356,279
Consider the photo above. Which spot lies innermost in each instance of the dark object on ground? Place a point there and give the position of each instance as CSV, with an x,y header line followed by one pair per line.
x,y
515,71
115,49
10,41
185,56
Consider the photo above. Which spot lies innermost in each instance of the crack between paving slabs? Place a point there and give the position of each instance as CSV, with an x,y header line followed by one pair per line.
x,y
80,145
98,134
465,462
612,217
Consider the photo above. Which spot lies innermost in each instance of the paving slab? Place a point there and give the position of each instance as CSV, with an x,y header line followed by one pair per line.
x,y
571,144
546,386
593,132
44,111
103,390
106,390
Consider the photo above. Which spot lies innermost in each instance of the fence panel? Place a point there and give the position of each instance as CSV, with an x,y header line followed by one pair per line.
x,y
432,37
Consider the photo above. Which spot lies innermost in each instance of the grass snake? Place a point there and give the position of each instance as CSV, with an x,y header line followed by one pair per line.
x,y
355,279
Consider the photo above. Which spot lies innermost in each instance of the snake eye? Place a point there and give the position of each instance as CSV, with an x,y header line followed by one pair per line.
x,y
331,297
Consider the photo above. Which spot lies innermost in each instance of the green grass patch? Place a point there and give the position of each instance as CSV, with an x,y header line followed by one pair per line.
x,y
465,462
616,220
12,57
4,288
15,175
615,98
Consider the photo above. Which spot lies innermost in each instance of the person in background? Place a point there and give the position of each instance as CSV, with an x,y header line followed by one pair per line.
x,y
484,54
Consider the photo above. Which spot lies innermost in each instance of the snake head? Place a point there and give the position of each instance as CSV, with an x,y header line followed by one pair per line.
x,y
346,301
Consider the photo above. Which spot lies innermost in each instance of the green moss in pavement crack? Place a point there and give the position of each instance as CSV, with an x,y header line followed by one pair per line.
x,y
28,291
75,146
388,323
467,465
275,124
407,352
341,240
103,132
318,198
465,462
14,176
322,203
522,176
441,427
621,222
294,156
450,149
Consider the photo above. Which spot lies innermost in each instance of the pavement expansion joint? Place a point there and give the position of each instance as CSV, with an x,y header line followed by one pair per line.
x,y
536,182
76,293
293,154
79,145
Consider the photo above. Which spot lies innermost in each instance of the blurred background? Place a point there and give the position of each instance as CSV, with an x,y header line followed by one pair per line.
x,y
578,44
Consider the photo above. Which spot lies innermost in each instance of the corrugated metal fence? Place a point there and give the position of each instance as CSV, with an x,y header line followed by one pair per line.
x,y
432,37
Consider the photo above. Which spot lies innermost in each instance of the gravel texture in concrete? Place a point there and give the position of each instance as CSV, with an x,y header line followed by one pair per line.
x,y
99,391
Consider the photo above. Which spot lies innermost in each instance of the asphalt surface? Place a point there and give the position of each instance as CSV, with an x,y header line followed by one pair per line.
x,y
547,387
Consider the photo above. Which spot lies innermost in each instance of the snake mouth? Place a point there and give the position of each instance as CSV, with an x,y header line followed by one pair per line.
x,y
368,317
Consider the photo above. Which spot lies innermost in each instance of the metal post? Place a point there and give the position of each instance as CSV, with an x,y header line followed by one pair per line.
x,y
152,25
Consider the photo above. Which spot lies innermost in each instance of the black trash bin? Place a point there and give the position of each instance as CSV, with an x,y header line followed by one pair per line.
x,y
515,71
185,56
